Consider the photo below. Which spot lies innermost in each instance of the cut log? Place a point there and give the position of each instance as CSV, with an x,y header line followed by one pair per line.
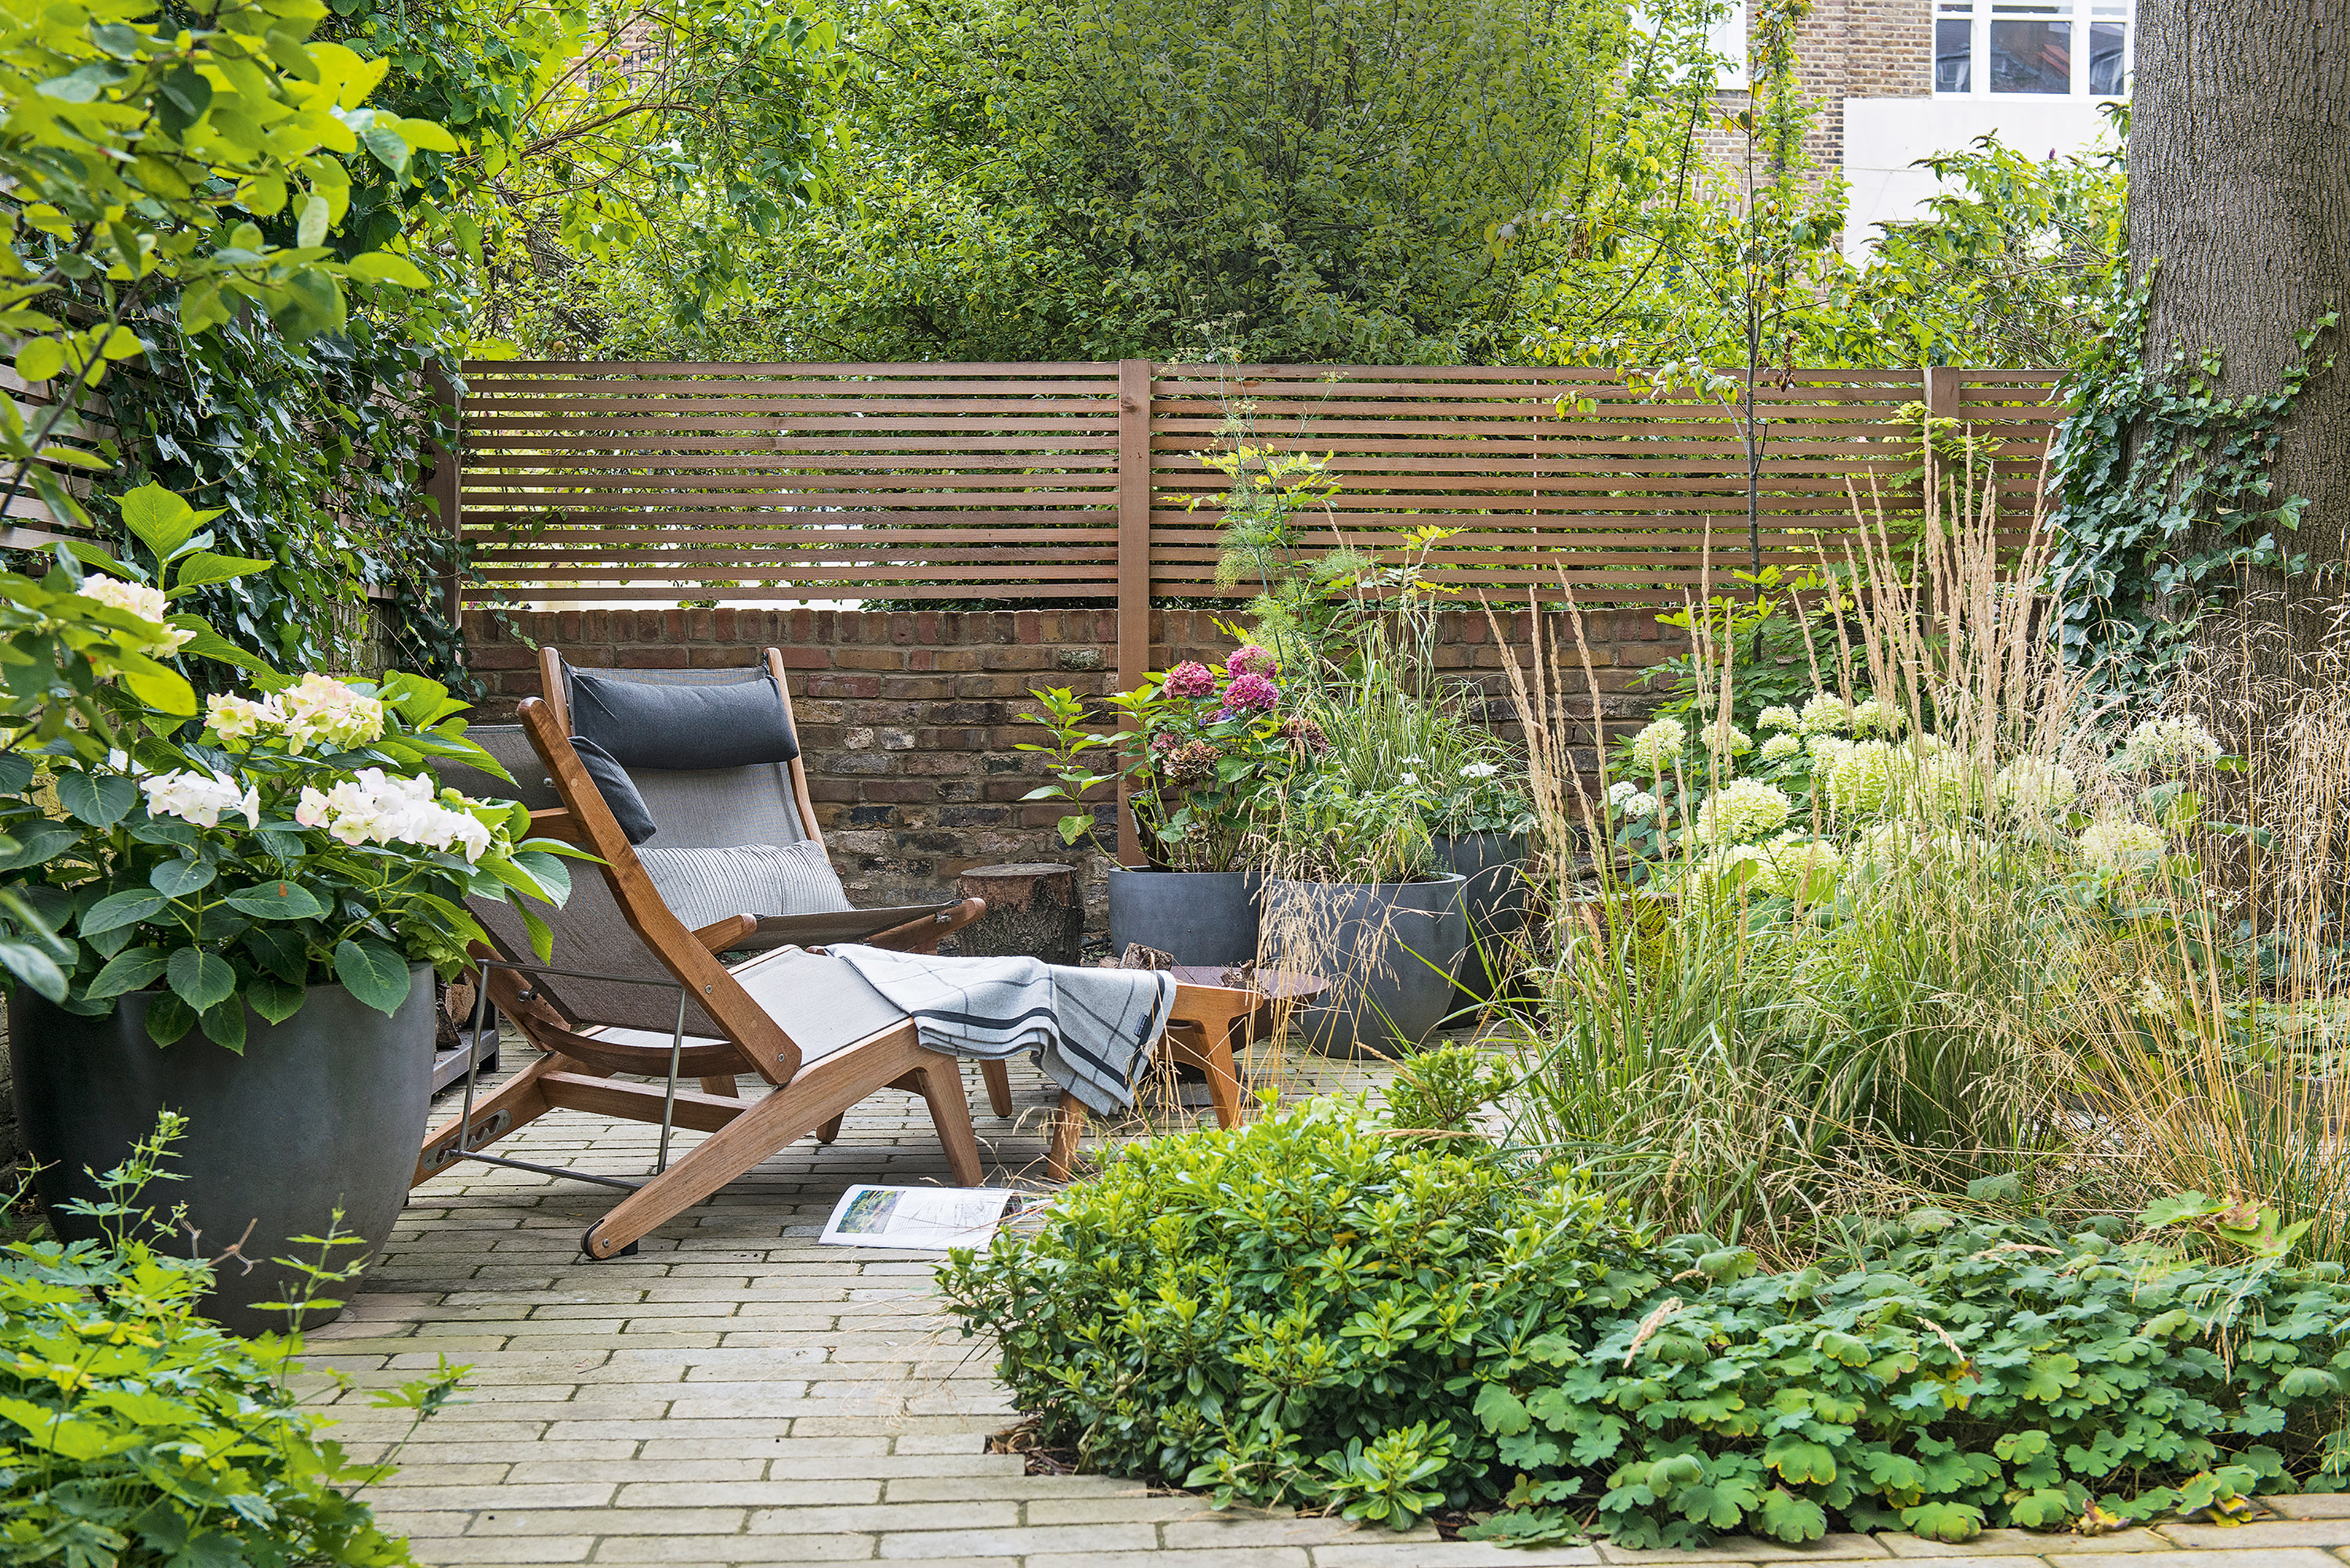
x,y
1032,911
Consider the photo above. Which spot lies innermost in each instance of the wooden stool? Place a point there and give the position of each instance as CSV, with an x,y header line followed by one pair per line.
x,y
1206,1019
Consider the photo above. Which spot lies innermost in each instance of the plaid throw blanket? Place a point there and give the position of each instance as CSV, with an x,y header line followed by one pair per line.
x,y
1091,1030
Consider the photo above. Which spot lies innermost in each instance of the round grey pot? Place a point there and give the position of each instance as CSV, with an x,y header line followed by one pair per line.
x,y
1201,916
324,1110
1389,951
1494,866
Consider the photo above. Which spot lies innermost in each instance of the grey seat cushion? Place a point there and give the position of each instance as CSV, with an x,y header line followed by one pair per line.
x,y
701,885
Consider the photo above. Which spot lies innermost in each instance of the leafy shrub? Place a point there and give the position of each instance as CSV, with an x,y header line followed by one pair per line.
x,y
1316,1309
1305,1309
133,1431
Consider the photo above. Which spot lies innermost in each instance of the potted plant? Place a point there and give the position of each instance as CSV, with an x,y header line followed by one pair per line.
x,y
1355,895
232,913
1481,816
1203,760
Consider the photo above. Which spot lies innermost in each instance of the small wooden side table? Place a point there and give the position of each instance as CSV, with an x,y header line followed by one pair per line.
x,y
1208,1017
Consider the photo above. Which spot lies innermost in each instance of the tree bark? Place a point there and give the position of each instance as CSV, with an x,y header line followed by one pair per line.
x,y
2239,190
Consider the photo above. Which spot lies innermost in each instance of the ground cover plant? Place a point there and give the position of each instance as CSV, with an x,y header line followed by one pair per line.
x,y
1330,1309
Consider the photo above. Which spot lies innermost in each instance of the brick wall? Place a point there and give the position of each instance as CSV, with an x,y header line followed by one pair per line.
x,y
1846,48
910,721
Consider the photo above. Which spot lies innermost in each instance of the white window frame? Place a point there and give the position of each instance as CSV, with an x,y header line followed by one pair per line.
x,y
1981,13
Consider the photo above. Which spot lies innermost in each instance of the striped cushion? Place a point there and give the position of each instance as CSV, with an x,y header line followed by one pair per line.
x,y
701,885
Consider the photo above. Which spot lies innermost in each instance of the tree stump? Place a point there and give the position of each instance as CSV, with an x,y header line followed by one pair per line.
x,y
1032,911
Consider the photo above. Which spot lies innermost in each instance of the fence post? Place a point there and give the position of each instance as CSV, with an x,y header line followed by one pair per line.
x,y
442,486
1133,558
1943,392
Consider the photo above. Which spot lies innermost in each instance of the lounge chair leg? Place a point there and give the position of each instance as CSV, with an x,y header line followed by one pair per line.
x,y
942,1088
829,1131
722,1086
997,1077
513,1105
1068,1122
1223,1083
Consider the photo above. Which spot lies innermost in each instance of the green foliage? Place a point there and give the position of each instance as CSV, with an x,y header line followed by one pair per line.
x,y
2163,497
1091,179
312,454
1955,1377
134,1431
1308,1312
147,157
1443,1089
1306,1309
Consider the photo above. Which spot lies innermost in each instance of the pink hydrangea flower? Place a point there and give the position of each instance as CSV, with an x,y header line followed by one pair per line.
x,y
1250,658
1190,678
1252,694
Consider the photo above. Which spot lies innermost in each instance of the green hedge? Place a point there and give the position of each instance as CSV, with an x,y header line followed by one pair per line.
x,y
1324,1310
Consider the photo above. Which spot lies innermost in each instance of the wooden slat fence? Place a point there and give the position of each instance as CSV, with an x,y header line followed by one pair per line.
x,y
618,482
26,522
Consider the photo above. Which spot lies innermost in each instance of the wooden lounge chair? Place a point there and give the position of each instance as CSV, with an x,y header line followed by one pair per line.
x,y
632,991
766,804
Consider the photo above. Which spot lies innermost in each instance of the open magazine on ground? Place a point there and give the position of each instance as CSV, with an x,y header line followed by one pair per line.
x,y
926,1219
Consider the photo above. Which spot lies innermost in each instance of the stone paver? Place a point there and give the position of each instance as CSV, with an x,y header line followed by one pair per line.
x,y
735,1394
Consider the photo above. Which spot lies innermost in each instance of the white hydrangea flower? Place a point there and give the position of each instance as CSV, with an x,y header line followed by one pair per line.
x,y
2153,1000
2163,745
1408,781
2116,846
2032,786
143,600
1779,716
1859,778
374,807
1874,716
1824,714
1621,791
1798,868
1641,804
1939,784
1780,746
1825,748
1881,846
1657,744
1727,739
200,797
1480,770
319,708
1740,810
240,720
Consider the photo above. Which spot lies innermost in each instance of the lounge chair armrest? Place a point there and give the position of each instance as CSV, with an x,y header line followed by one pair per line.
x,y
720,935
922,936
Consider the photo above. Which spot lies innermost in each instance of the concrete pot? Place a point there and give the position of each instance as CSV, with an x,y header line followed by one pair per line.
x,y
1390,951
325,1109
1494,867
1201,916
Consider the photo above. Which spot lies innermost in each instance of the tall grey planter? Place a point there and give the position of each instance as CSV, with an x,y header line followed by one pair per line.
x,y
1199,917
1494,867
1390,951
326,1110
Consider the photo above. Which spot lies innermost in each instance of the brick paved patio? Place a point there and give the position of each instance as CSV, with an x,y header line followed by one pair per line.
x,y
735,1394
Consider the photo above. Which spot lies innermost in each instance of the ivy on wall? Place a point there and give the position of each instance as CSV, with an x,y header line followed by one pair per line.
x,y
2162,493
315,453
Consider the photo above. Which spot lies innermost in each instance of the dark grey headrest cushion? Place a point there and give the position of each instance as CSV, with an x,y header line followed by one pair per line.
x,y
683,727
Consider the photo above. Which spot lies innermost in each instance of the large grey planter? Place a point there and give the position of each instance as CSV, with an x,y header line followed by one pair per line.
x,y
1389,949
1201,916
325,1109
1494,867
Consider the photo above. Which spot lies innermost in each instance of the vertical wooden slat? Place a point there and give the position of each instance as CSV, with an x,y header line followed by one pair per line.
x,y
443,487
1133,558
1943,392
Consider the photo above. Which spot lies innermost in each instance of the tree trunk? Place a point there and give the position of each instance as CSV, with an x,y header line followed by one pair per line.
x,y
2239,187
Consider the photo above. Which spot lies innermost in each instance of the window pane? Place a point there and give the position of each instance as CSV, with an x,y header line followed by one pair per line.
x,y
1954,55
2109,59
2032,56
